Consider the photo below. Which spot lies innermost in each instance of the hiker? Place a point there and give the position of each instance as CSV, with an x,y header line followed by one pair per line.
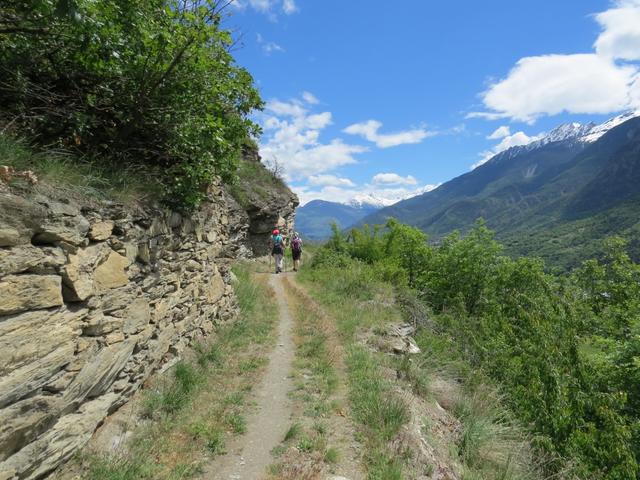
x,y
296,251
277,249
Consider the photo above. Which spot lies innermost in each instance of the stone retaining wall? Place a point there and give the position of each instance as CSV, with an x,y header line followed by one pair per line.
x,y
94,297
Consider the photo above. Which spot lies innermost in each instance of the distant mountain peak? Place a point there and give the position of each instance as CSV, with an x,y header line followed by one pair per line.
x,y
599,130
568,131
367,199
373,200
572,132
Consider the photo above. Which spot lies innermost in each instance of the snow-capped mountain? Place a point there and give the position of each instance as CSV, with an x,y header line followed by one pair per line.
x,y
367,199
557,198
598,131
572,133
373,200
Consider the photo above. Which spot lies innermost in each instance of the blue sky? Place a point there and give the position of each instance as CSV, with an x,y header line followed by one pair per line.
x,y
392,98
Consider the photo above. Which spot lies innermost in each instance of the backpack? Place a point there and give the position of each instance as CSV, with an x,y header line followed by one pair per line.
x,y
296,245
277,240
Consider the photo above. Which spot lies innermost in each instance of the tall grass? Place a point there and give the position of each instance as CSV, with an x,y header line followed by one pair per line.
x,y
373,403
93,177
489,445
201,400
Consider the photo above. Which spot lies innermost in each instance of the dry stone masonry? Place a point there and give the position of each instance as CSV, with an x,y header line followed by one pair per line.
x,y
94,297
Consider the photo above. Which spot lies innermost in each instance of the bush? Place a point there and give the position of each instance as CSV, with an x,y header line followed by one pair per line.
x,y
564,349
147,82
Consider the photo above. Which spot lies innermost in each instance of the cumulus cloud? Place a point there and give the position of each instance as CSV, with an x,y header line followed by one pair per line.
x,y
369,130
310,98
330,181
271,47
508,141
552,84
620,37
287,109
385,196
268,47
289,6
292,139
500,132
267,6
393,179
587,83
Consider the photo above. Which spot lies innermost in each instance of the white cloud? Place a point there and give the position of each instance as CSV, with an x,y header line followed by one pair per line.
x,y
620,37
500,132
385,196
587,83
310,98
268,47
508,141
271,47
369,130
288,109
292,132
289,6
330,181
267,6
292,139
552,84
393,179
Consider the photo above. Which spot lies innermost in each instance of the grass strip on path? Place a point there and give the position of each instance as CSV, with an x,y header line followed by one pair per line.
x,y
308,447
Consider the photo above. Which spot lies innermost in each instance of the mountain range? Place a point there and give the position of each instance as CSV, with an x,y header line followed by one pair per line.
x,y
556,198
314,219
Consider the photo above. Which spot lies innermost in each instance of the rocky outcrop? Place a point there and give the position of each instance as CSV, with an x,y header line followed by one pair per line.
x,y
267,201
94,297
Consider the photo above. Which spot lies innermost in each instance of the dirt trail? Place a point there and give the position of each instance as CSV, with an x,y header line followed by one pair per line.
x,y
249,455
342,431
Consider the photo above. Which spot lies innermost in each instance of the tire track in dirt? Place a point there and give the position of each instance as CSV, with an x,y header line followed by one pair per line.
x,y
249,455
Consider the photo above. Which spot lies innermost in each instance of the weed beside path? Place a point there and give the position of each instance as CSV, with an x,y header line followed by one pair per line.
x,y
192,413
420,416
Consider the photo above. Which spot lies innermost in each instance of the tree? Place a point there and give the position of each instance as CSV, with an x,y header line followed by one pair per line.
x,y
150,82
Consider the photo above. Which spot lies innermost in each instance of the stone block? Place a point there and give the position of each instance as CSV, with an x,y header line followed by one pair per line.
x,y
99,324
23,421
23,381
78,274
58,444
100,231
111,273
20,259
98,374
29,292
216,288
136,316
62,228
27,338
9,237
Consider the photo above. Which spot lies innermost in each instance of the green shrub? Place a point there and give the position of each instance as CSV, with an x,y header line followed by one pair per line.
x,y
564,349
148,82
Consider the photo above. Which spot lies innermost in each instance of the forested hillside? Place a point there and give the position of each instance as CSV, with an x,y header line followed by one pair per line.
x,y
557,200
563,349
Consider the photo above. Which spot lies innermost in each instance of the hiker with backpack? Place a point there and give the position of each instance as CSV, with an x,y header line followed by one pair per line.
x,y
296,251
277,249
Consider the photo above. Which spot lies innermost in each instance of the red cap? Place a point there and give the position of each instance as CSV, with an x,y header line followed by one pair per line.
x,y
276,232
